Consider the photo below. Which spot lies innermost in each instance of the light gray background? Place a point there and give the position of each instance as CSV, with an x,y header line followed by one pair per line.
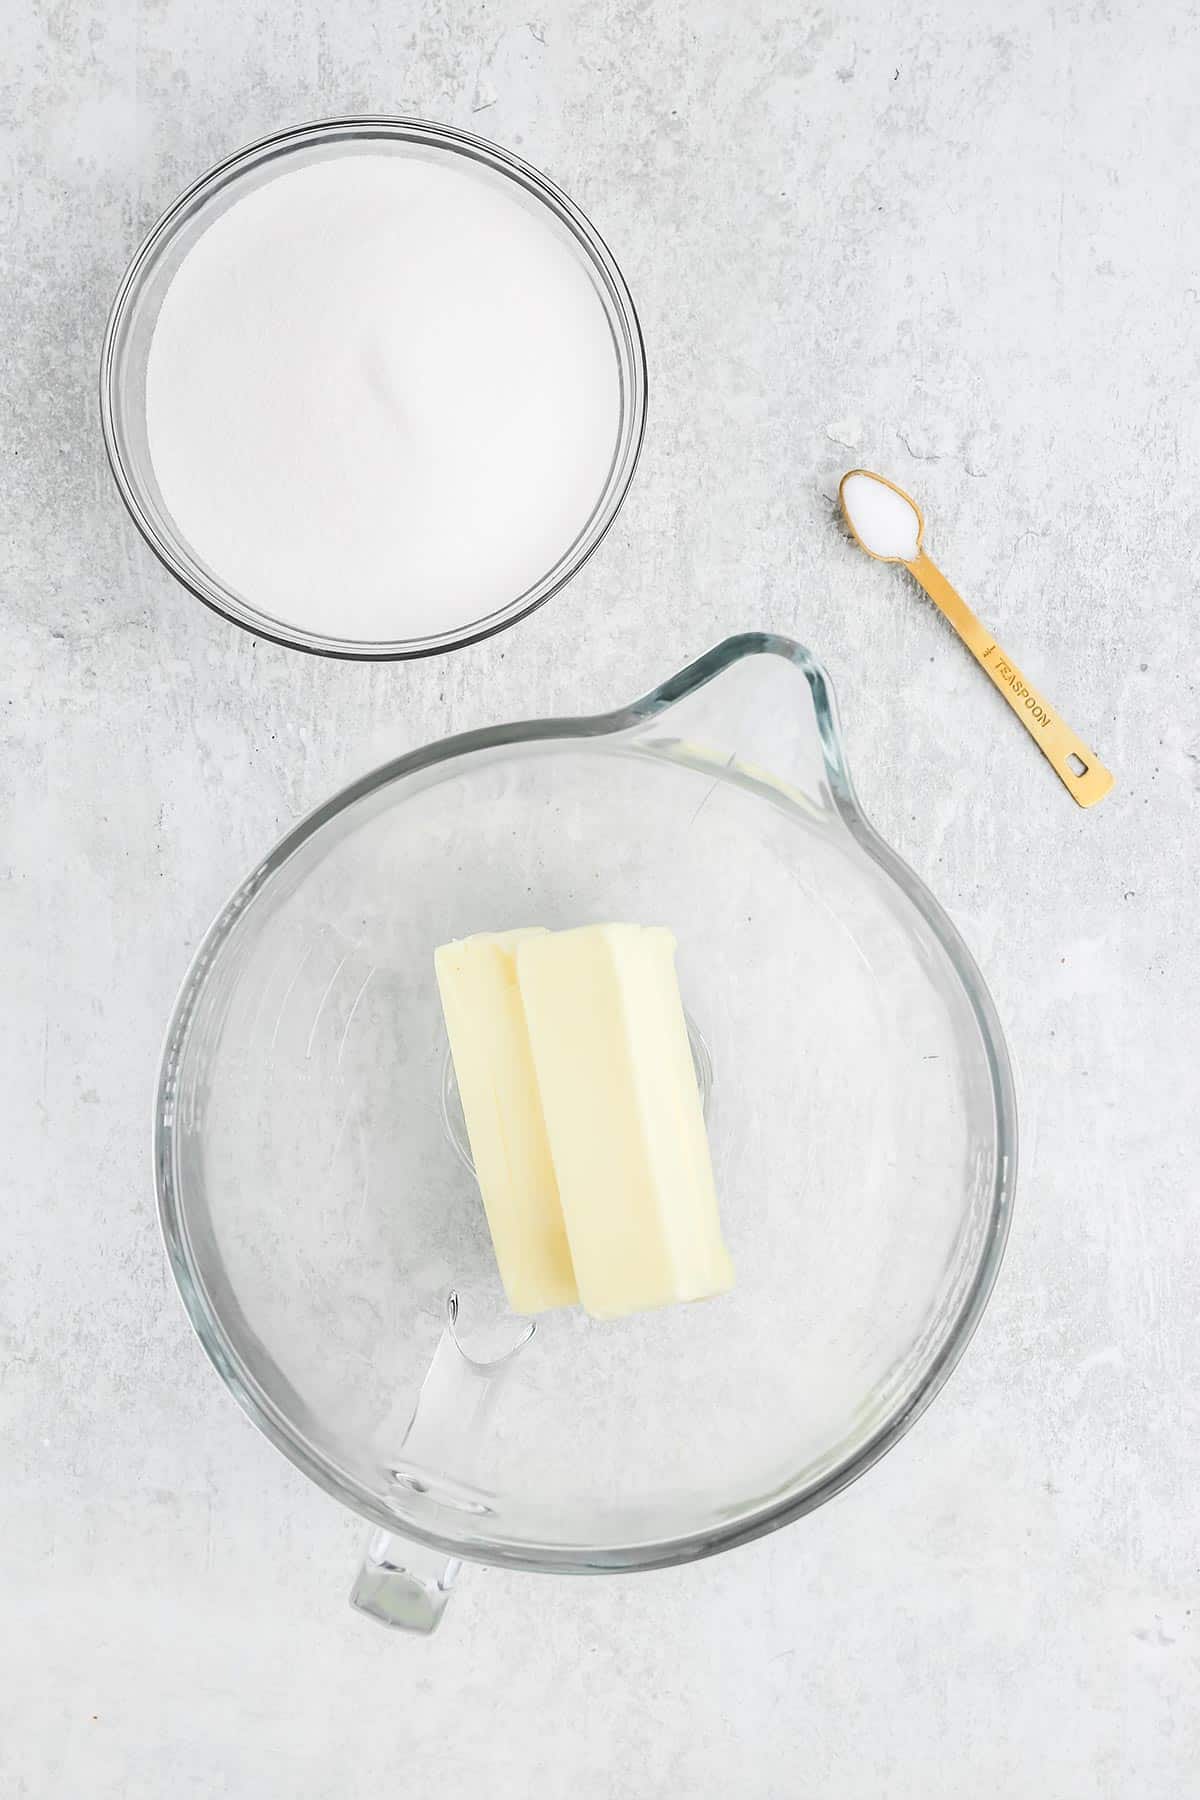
x,y
953,241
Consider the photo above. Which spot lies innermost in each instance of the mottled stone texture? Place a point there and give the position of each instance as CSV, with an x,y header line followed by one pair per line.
x,y
957,242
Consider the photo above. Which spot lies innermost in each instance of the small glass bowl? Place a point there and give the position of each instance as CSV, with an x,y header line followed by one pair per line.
x,y
135,311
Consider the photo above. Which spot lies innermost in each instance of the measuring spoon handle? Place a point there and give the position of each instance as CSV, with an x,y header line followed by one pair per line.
x,y
1077,767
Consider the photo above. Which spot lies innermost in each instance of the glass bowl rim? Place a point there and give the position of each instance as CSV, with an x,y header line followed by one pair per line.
x,y
628,341
753,1522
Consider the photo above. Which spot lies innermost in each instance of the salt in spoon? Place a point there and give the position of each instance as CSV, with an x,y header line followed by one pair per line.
x,y
890,526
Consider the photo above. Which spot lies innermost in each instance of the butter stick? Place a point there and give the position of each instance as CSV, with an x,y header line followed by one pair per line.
x,y
492,1061
623,1117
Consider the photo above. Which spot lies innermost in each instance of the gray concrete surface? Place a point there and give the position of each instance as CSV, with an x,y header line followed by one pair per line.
x,y
953,241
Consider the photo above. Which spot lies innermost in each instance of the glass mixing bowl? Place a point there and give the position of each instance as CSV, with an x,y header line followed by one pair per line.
x,y
136,306
860,1109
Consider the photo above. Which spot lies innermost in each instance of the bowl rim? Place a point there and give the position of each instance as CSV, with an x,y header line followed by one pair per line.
x,y
793,1503
629,346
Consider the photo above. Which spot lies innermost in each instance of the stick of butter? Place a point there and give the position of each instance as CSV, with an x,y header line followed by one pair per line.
x,y
623,1116
485,1020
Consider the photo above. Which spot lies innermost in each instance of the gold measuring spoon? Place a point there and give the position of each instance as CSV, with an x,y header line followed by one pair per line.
x,y
889,525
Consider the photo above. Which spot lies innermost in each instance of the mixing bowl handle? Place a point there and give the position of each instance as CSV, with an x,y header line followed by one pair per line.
x,y
405,1584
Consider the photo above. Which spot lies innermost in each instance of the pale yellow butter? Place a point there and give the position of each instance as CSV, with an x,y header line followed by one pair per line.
x,y
623,1117
486,1023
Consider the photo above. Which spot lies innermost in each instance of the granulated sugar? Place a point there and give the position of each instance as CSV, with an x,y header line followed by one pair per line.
x,y
382,397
